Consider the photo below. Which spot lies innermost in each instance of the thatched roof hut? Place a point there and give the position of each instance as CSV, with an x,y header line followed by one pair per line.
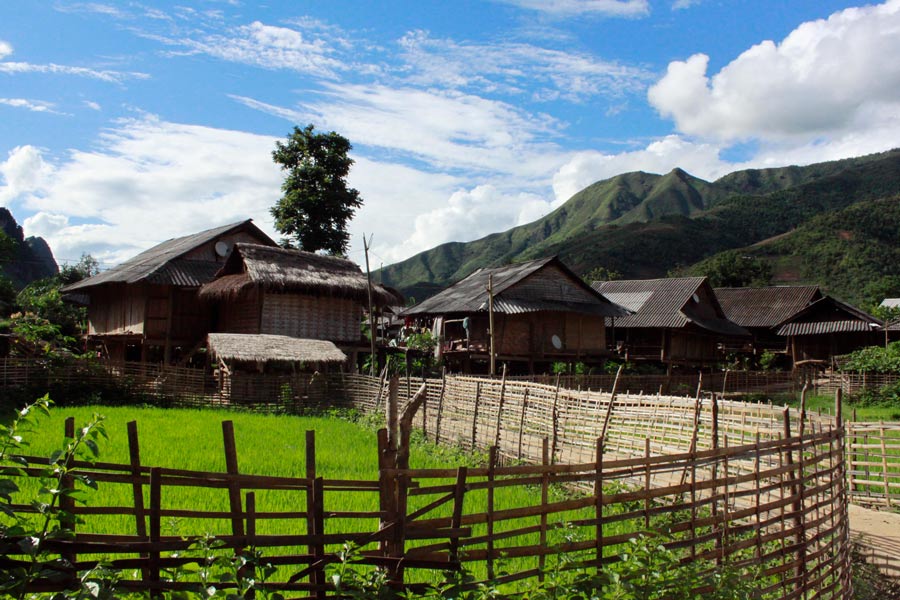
x,y
263,348
286,270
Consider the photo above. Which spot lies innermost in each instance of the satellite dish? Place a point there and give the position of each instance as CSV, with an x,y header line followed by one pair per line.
x,y
557,343
222,249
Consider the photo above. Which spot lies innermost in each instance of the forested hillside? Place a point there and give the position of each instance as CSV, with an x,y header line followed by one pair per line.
x,y
645,225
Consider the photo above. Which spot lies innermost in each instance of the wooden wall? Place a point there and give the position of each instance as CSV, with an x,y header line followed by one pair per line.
x,y
117,309
532,333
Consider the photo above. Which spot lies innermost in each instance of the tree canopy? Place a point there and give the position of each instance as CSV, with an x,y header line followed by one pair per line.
x,y
317,202
735,269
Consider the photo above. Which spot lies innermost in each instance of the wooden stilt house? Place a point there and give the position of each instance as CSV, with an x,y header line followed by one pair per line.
x,y
146,309
674,321
264,290
542,313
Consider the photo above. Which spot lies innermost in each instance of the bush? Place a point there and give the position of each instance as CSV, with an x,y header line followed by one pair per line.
x,y
874,359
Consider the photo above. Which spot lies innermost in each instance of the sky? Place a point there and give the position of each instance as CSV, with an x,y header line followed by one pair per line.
x,y
123,124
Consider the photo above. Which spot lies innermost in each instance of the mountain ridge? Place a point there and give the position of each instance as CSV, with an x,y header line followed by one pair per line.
x,y
671,215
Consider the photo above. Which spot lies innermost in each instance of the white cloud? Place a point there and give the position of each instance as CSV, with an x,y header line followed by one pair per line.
x,y
269,47
24,172
32,105
827,77
571,8
91,104
45,225
516,68
147,181
448,130
5,49
466,215
55,69
683,4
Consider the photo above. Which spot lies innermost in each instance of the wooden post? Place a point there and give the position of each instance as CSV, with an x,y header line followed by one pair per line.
x,y
66,503
802,427
137,488
492,463
155,528
440,406
884,466
522,421
500,408
317,576
475,414
545,498
647,484
318,525
797,507
392,416
490,291
459,495
609,408
598,506
372,331
714,410
234,488
555,416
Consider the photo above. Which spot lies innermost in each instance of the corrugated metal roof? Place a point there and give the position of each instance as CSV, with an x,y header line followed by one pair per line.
x,y
659,301
825,327
154,263
470,294
890,303
765,306
187,273
665,303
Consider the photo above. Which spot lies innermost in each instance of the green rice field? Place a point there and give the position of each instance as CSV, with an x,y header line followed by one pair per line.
x,y
273,445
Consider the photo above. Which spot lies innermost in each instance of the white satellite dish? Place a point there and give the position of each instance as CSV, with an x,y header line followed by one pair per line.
x,y
557,343
222,249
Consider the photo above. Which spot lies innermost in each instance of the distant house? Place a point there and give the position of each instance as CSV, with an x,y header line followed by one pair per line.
x,y
543,313
675,321
800,322
761,310
828,328
264,290
147,307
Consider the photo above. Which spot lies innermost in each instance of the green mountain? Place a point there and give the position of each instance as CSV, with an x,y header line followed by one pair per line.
x,y
645,225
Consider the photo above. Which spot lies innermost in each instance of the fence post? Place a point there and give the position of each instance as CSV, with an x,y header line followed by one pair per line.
x,y
475,413
440,406
492,463
500,407
797,507
316,576
545,497
155,528
555,417
134,452
609,408
66,504
522,421
598,496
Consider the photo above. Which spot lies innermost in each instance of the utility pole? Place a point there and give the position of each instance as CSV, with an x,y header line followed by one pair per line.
x,y
372,327
490,291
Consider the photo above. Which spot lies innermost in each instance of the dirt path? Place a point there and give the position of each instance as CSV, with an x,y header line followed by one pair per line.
x,y
878,535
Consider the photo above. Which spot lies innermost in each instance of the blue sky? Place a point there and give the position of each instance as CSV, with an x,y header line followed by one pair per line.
x,y
123,124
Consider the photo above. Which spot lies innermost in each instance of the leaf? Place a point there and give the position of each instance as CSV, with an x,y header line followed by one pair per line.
x,y
92,588
86,480
93,447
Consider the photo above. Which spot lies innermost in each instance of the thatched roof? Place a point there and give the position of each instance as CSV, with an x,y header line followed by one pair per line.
x,y
285,270
265,348
165,263
570,294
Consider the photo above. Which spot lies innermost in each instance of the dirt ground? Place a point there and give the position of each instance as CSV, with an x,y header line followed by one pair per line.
x,y
877,534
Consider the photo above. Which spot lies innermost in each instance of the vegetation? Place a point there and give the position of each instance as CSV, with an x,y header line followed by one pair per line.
x,y
874,359
317,203
733,268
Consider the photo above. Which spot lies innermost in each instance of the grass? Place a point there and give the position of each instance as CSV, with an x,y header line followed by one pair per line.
x,y
269,445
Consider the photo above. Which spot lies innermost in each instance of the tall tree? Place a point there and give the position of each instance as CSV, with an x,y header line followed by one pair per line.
x,y
317,202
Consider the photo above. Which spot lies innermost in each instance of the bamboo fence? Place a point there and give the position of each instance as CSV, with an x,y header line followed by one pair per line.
x,y
873,462
771,506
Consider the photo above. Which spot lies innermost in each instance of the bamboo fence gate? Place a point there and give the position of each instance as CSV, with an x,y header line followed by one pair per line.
x,y
755,488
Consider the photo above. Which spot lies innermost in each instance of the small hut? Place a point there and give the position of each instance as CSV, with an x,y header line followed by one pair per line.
x,y
760,310
262,367
285,292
